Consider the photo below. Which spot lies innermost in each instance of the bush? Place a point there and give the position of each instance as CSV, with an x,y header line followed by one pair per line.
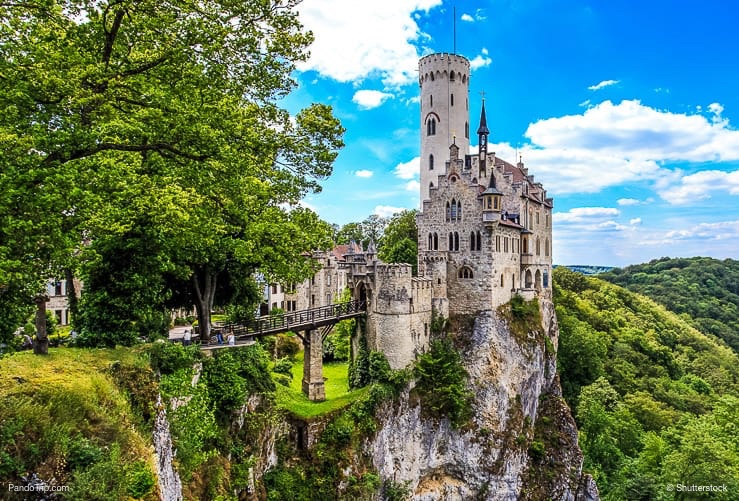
x,y
287,345
283,366
442,383
167,357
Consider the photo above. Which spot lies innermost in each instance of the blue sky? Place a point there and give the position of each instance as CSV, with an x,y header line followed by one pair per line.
x,y
626,111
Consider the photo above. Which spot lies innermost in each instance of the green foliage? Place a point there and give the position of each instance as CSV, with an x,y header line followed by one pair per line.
x,y
646,387
283,366
704,288
337,343
400,240
359,375
287,345
231,375
396,491
167,358
65,417
442,383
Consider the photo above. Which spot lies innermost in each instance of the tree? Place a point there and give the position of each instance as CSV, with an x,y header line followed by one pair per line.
x,y
400,239
117,112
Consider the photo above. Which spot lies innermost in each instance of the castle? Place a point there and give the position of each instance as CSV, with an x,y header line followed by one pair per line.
x,y
484,229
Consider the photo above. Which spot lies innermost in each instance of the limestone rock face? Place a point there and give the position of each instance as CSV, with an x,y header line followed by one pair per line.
x,y
522,443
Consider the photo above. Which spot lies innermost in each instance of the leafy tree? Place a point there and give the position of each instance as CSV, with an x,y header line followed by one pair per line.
x,y
120,112
400,240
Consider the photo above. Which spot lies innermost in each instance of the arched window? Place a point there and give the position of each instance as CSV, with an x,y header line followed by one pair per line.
x,y
451,76
467,130
453,216
479,241
546,279
431,100
436,241
428,128
538,246
546,248
464,272
472,240
431,242
456,241
524,245
502,281
451,241
431,162
433,127
459,210
448,212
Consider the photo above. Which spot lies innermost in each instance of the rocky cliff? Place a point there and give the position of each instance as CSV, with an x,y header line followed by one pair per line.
x,y
522,441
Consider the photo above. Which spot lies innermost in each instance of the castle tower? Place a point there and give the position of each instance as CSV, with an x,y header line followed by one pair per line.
x,y
444,80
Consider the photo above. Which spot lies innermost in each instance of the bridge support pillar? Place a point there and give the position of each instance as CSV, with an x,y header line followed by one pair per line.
x,y
313,386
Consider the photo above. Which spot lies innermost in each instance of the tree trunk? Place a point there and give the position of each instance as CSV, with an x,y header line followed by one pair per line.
x,y
204,283
41,343
71,294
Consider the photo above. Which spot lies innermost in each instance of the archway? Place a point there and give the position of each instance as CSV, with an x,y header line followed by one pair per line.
x,y
528,282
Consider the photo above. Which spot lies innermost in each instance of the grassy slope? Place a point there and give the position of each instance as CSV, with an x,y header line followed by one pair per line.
x,y
338,395
64,416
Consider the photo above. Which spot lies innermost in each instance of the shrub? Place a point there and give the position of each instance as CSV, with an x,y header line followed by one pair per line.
x,y
442,383
167,358
283,366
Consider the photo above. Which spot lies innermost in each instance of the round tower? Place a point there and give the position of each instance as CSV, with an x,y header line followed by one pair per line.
x,y
444,80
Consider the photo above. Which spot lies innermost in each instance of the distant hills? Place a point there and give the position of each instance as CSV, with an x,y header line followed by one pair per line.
x,y
586,269
704,291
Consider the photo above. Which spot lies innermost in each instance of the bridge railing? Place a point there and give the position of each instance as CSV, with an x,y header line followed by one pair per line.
x,y
295,320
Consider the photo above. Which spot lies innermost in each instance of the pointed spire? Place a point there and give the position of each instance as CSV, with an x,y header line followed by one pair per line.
x,y
492,189
483,129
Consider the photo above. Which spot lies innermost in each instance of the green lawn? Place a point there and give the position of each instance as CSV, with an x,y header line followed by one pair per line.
x,y
336,376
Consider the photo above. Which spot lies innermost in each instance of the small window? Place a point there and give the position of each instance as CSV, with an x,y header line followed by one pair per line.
x,y
431,162
431,100
451,76
451,100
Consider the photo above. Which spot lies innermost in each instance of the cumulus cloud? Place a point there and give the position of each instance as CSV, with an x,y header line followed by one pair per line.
x,y
611,144
481,60
387,210
364,173
354,40
604,83
699,186
627,201
409,169
466,17
368,99
635,221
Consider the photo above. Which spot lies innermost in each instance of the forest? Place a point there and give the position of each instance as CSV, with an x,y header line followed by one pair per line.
x,y
655,400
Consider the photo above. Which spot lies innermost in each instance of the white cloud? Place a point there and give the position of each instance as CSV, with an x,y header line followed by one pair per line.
x,y
409,169
364,173
585,103
412,185
585,214
635,221
354,40
387,210
628,201
604,83
611,144
368,99
723,230
480,60
700,185
466,17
